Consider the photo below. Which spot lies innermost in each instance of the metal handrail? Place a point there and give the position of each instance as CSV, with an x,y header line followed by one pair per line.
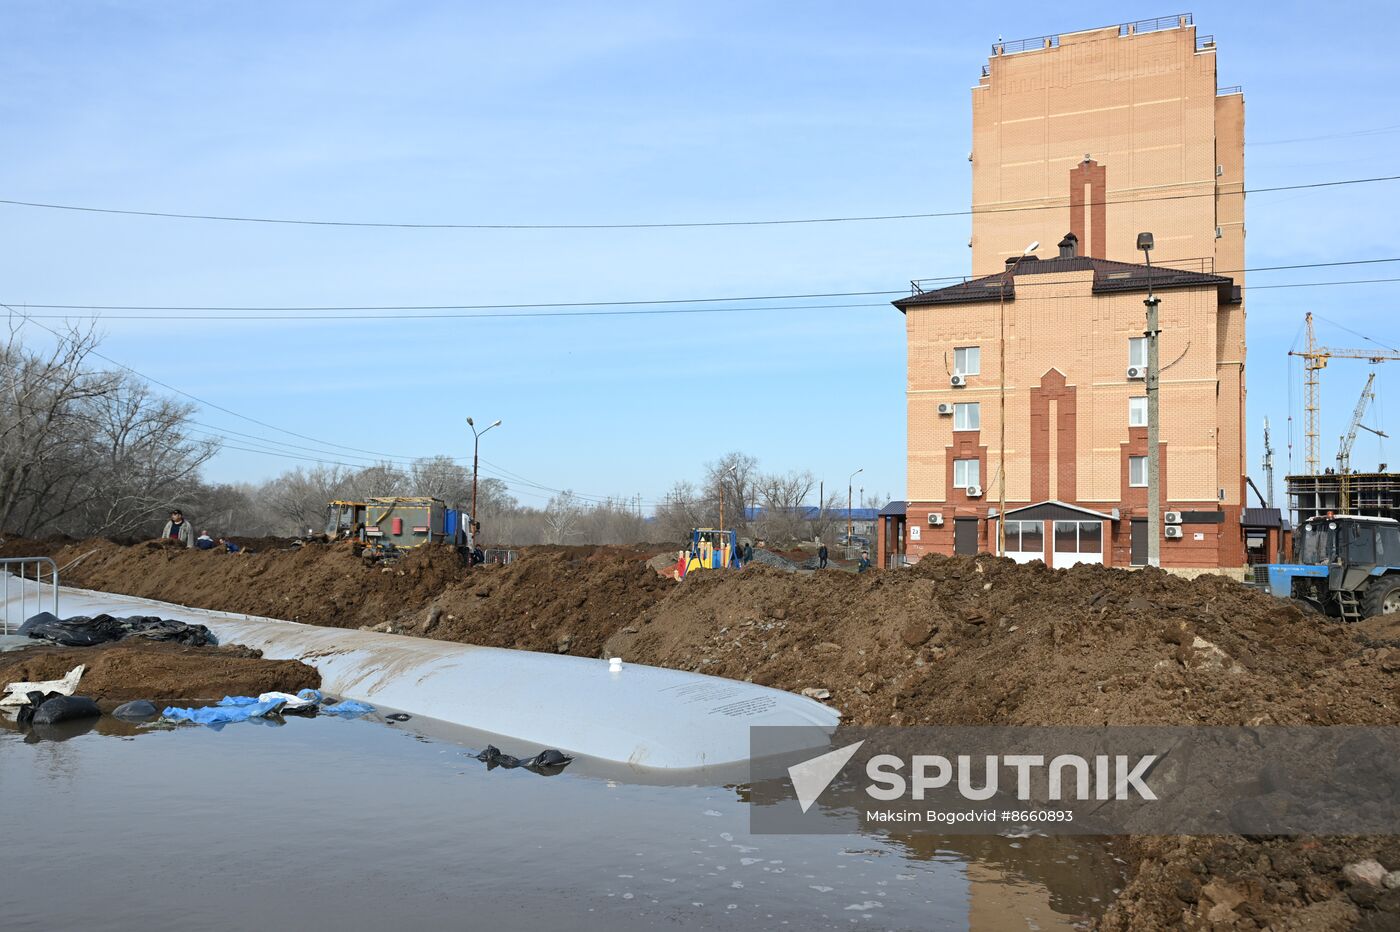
x,y
1157,24
1137,27
7,566
1226,91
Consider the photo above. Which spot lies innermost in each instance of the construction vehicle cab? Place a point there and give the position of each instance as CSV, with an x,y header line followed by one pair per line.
x,y
711,549
345,520
1347,566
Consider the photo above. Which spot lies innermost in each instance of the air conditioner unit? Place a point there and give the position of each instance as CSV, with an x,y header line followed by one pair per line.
x,y
935,519
1173,530
945,408
958,380
1172,517
974,491
1137,372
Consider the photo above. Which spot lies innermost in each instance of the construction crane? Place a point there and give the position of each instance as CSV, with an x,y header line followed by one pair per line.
x,y
1368,395
1314,361
1268,467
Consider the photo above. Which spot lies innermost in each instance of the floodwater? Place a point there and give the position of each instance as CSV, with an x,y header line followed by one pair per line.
x,y
333,824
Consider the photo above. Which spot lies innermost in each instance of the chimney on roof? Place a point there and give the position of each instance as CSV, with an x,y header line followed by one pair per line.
x,y
1069,246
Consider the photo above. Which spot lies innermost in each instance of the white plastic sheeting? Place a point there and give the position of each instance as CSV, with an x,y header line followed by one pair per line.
x,y
645,717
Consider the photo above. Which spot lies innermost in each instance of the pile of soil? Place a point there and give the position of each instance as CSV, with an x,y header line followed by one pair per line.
x,y
985,641
564,599
136,668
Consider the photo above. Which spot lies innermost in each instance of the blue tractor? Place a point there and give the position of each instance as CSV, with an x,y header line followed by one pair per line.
x,y
1346,566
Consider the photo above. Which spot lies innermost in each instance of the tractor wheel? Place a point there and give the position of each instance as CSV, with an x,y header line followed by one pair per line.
x,y
1382,597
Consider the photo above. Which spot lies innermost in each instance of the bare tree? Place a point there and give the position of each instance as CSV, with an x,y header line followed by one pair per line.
x,y
679,512
298,497
382,480
784,498
40,417
561,517
85,451
442,477
731,479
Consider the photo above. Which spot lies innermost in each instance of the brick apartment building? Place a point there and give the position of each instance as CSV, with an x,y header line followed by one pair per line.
x,y
1086,139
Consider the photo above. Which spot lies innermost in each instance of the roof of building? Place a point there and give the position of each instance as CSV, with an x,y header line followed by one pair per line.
x,y
1055,510
1110,277
895,507
1261,517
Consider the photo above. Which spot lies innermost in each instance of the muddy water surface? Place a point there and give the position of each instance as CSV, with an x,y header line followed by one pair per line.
x,y
330,824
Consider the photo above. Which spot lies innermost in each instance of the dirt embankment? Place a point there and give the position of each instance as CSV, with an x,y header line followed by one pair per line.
x,y
978,641
136,668
564,599
951,641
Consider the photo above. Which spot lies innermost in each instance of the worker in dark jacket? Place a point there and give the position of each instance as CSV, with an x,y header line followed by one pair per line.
x,y
821,557
178,529
865,563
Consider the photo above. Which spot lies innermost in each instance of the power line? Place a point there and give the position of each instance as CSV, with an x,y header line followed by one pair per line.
x,y
226,218
465,316
526,315
543,311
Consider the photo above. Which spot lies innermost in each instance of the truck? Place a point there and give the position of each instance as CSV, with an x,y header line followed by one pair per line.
x,y
387,525
1345,566
404,522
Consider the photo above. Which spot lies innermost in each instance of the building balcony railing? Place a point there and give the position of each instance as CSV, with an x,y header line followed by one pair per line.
x,y
1136,28
1156,25
1226,91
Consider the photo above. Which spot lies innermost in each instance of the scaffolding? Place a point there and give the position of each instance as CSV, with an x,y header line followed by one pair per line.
x,y
1376,494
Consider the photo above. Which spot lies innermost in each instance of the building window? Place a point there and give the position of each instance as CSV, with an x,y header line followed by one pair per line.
x,y
1025,537
967,416
1137,412
1078,537
967,473
1137,352
967,360
1137,472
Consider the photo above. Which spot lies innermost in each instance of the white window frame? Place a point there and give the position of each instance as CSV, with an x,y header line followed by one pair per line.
x,y
975,353
965,413
971,473
1142,460
1137,413
1137,352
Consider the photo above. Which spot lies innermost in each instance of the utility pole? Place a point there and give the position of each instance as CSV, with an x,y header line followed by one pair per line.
x,y
849,483
1154,464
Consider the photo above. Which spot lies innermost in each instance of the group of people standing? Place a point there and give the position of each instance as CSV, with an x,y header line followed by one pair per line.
x,y
181,531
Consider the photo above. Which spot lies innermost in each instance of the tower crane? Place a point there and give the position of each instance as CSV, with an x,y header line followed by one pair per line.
x,y
1314,361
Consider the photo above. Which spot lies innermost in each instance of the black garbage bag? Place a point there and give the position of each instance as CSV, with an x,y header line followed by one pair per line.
x,y
82,631
65,708
139,710
547,762
25,714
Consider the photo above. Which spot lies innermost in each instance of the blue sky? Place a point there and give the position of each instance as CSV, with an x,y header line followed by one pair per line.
x,y
596,113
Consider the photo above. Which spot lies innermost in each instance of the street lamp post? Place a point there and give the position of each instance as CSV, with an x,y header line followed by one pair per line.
x,y
1154,476
476,459
848,506
1008,278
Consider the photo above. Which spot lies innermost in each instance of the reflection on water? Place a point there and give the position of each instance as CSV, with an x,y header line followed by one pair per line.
x,y
325,823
